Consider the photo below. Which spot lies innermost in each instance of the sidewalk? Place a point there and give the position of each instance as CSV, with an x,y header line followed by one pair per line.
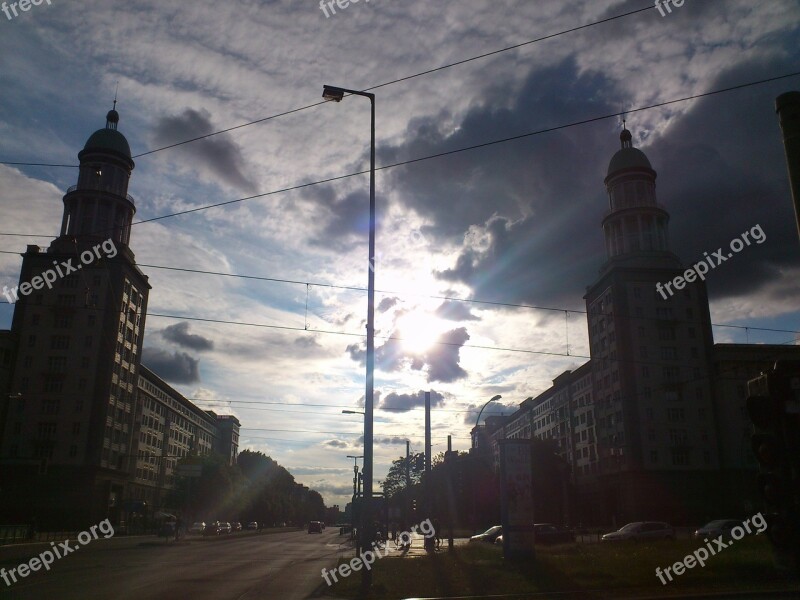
x,y
418,547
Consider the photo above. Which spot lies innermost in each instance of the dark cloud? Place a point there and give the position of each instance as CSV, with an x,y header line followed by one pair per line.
x,y
455,311
386,304
494,409
336,444
534,206
179,334
404,402
441,360
394,440
177,367
219,154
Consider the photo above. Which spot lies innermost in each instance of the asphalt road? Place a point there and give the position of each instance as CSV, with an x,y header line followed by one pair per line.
x,y
249,566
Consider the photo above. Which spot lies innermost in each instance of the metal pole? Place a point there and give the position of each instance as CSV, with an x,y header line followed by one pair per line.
x,y
788,108
429,542
366,513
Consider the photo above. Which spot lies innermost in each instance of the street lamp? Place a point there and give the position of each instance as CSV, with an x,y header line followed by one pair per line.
x,y
477,437
353,412
494,399
336,94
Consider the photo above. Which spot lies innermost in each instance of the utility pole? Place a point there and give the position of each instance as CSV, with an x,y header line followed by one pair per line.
x,y
788,108
429,542
449,465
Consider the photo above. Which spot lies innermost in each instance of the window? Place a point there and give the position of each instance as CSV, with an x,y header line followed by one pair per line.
x,y
692,333
671,373
59,342
680,457
28,362
666,334
31,341
701,412
651,435
653,456
50,407
669,353
645,372
35,319
62,321
66,300
637,293
91,320
57,364
73,451
676,414
76,428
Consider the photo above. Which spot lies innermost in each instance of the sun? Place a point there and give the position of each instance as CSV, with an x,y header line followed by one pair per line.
x,y
419,331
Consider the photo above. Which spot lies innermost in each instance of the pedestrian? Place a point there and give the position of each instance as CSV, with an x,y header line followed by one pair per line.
x,y
436,529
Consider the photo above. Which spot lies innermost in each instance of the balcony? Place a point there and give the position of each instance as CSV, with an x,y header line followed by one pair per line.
x,y
74,188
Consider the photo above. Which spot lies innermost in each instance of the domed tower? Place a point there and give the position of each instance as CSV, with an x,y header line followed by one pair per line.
x,y
99,206
651,355
81,307
635,223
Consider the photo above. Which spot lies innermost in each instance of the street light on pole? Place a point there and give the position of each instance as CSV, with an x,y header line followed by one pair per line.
x,y
353,412
494,399
336,94
477,437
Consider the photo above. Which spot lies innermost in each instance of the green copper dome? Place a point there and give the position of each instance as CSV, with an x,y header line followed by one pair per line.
x,y
108,139
628,158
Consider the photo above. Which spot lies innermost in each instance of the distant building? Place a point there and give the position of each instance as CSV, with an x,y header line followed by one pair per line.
x,y
88,429
654,425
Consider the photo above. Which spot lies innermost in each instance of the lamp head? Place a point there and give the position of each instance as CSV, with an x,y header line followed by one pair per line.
x,y
330,92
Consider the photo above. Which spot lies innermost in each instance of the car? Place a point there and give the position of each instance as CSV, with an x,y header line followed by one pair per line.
x,y
197,527
547,533
488,536
212,529
236,526
641,530
715,529
252,525
314,527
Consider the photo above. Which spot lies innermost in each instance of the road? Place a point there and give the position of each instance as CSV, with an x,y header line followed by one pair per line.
x,y
246,566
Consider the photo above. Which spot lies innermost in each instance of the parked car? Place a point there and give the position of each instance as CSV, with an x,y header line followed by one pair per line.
x,y
236,526
198,527
641,530
314,527
714,529
212,529
226,527
547,533
252,525
488,536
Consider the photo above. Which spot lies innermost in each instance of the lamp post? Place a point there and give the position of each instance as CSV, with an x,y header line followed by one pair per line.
x,y
494,399
355,496
336,94
474,487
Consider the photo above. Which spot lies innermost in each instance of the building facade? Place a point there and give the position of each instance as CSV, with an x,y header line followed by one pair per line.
x,y
81,418
654,425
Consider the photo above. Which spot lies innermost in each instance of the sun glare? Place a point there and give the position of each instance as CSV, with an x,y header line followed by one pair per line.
x,y
419,331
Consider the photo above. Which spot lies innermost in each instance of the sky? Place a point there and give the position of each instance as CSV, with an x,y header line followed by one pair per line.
x,y
484,247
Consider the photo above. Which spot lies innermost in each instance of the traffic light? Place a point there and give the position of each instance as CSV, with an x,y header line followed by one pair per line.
x,y
419,463
773,406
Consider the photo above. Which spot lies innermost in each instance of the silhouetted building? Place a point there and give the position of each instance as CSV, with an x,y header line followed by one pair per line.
x,y
654,425
72,429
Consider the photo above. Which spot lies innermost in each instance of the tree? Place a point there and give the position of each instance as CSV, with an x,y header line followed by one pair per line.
x,y
396,478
